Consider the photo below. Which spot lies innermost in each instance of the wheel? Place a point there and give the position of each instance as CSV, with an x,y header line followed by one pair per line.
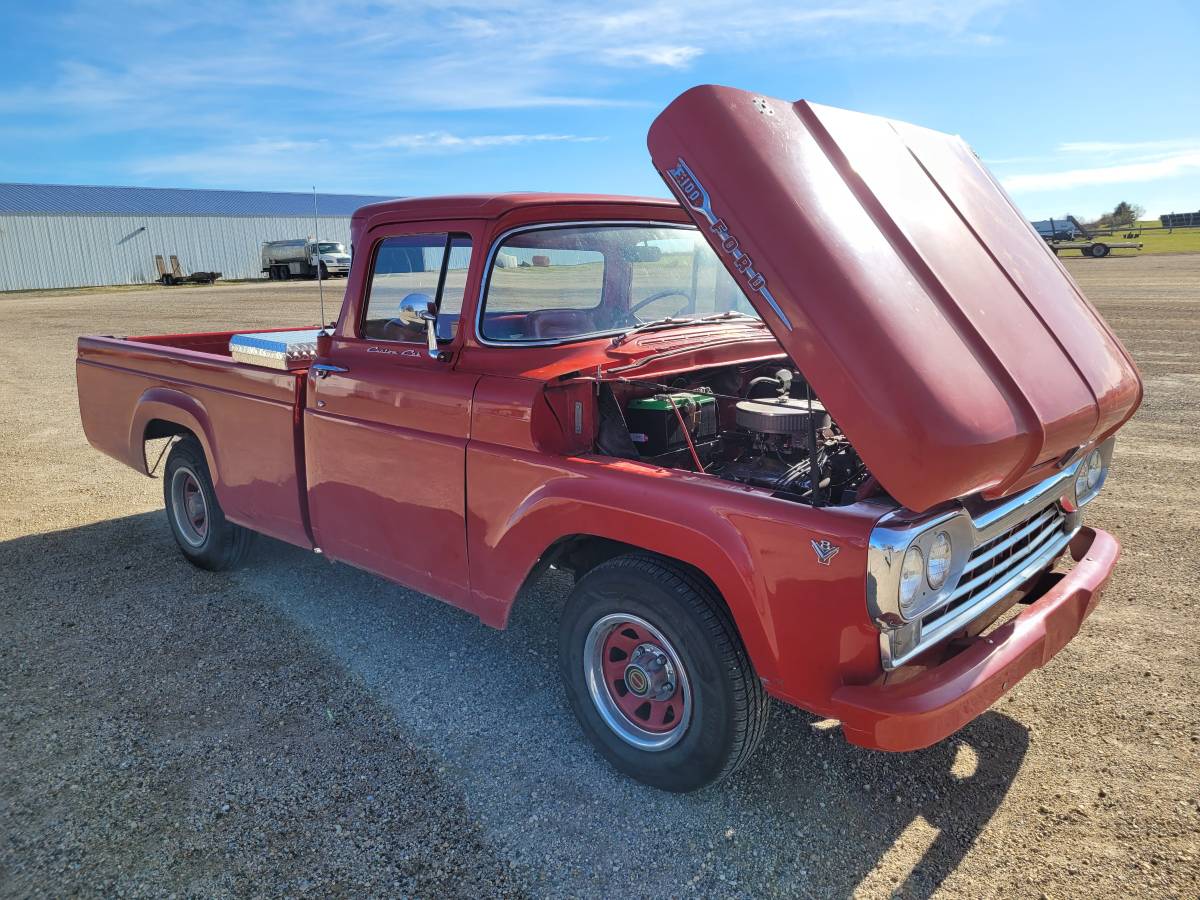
x,y
657,674
284,273
196,519
324,269
272,274
1098,251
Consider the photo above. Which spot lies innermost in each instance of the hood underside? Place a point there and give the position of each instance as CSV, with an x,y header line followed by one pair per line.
x,y
942,334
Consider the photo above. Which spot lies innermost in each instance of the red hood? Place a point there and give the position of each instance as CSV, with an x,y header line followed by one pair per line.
x,y
942,334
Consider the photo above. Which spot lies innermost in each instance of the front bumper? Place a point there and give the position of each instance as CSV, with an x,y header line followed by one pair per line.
x,y
921,711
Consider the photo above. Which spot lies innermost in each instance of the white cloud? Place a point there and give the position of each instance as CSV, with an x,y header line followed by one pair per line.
x,y
1123,147
671,57
1127,173
434,141
406,55
200,84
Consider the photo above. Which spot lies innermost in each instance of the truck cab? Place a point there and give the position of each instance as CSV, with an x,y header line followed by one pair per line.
x,y
809,430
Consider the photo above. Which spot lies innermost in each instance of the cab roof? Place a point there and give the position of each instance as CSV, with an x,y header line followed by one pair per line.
x,y
493,206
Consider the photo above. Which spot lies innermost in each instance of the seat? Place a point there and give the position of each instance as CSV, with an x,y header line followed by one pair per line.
x,y
546,324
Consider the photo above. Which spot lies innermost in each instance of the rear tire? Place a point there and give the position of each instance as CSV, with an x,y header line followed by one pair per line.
x,y
203,534
657,674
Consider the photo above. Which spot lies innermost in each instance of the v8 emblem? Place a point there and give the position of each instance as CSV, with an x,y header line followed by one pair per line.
x,y
825,551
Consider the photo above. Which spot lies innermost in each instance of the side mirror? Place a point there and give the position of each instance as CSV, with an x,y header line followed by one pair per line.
x,y
324,343
419,310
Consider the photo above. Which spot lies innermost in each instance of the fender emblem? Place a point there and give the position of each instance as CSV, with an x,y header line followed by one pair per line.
x,y
825,551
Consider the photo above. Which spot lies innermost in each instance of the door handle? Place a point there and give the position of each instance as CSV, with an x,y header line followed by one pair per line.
x,y
324,370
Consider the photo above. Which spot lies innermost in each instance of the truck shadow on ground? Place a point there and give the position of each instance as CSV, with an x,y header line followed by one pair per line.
x,y
809,816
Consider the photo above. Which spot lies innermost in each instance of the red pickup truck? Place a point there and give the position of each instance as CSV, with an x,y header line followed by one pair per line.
x,y
807,431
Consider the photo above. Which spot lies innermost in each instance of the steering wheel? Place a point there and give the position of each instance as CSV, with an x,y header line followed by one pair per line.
x,y
632,312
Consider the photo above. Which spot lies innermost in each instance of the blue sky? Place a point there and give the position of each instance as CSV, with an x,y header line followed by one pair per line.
x,y
1074,105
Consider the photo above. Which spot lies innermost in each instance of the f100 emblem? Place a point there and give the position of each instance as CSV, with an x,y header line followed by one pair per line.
x,y
693,193
825,550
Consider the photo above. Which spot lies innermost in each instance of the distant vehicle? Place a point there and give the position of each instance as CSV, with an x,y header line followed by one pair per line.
x,y
1056,229
304,259
1072,235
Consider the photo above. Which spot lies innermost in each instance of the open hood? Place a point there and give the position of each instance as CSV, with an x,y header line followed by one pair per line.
x,y
950,345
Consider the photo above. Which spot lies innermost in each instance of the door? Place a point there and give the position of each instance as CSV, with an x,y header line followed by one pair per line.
x,y
385,439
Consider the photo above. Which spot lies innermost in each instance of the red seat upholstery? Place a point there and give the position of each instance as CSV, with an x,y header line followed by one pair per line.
x,y
544,324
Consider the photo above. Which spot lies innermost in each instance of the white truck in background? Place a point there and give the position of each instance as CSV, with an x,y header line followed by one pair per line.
x,y
304,259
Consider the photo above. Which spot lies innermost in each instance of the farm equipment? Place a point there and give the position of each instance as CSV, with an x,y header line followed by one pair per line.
x,y
1089,246
174,275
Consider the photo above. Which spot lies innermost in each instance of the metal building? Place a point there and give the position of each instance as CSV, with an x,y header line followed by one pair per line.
x,y
59,236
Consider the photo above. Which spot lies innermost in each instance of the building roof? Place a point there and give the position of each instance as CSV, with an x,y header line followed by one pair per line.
x,y
97,200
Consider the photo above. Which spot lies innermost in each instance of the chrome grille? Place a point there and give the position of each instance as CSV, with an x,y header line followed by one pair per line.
x,y
999,564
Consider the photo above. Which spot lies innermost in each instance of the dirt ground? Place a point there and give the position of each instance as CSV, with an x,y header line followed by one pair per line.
x,y
301,728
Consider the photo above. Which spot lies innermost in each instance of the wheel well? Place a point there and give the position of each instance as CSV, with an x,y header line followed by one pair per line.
x,y
161,428
580,553
157,429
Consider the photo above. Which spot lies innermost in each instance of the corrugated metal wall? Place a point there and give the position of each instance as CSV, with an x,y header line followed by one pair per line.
x,y
63,251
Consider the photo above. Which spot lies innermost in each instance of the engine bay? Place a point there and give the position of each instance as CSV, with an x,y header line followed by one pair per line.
x,y
758,425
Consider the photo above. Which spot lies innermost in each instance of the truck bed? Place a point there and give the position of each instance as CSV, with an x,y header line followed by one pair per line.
x,y
247,418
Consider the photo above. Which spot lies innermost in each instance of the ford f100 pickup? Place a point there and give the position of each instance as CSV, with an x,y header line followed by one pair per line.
x,y
810,430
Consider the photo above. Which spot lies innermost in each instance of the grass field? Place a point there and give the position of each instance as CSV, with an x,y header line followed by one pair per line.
x,y
1181,240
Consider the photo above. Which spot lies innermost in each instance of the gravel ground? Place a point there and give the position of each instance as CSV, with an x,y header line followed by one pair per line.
x,y
301,727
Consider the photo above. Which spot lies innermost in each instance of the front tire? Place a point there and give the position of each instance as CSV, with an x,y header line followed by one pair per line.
x,y
200,528
657,674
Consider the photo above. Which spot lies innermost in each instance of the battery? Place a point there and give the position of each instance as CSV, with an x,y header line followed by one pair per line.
x,y
654,426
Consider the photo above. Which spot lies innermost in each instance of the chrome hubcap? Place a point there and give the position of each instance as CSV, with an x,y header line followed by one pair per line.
x,y
188,506
650,673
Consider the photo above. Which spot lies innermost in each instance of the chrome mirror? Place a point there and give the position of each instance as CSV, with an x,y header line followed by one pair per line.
x,y
417,311
413,310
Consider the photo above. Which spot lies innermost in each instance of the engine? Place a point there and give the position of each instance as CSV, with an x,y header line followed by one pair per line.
x,y
765,430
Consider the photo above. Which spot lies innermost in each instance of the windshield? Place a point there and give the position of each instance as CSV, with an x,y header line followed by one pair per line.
x,y
330,248
572,282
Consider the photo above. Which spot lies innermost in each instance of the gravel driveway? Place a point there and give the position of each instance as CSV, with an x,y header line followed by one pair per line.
x,y
300,727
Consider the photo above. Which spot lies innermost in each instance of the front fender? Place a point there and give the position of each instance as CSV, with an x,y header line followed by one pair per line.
x,y
790,609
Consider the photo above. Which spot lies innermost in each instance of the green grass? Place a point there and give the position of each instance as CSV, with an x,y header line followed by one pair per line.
x,y
1181,240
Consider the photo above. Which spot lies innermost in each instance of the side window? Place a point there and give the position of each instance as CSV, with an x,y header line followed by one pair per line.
x,y
432,266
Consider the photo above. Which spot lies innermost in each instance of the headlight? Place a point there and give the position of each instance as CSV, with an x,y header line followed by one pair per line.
x,y
938,566
912,573
1089,477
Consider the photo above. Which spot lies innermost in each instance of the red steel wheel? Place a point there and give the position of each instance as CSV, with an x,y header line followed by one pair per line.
x,y
637,682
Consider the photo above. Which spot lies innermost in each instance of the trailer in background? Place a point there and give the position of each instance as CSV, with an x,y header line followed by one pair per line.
x,y
1089,246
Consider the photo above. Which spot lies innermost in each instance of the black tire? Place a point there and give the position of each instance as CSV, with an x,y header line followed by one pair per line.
x,y
217,544
324,269
272,274
728,706
1098,251
284,273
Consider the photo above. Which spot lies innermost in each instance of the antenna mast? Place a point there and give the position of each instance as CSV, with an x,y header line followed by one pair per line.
x,y
317,241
